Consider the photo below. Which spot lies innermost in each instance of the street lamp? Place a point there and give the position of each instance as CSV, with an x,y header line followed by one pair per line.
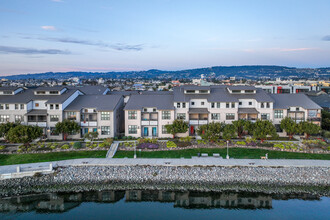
x,y
134,150
227,157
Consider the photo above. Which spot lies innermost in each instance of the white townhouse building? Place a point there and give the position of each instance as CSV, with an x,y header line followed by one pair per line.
x,y
200,105
97,113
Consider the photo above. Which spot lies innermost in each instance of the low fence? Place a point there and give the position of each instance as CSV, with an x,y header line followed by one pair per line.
x,y
23,172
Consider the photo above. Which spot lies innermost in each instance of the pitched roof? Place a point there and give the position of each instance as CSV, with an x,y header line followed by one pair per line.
x,y
285,101
90,90
99,102
161,102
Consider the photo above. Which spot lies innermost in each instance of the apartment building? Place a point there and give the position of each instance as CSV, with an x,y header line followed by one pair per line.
x,y
199,105
97,113
42,106
146,115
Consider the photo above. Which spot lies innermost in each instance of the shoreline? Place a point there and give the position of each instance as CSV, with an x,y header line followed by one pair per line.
x,y
314,180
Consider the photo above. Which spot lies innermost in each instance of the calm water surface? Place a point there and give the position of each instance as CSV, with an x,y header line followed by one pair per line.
x,y
136,204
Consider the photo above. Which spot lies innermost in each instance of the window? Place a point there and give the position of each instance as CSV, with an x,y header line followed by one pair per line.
x,y
203,91
54,117
181,116
154,110
183,105
249,91
57,106
164,130
53,92
166,115
297,109
7,106
105,130
36,104
202,103
230,116
178,105
250,103
192,103
233,105
312,113
215,116
4,118
71,115
51,106
16,106
41,92
278,114
236,91
268,105
53,131
212,105
105,115
262,105
265,116
7,92
19,118
218,104
132,115
240,103
1,106
22,106
132,129
227,105
190,91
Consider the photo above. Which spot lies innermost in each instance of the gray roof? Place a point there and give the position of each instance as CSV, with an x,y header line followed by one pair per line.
x,y
50,88
247,111
241,87
198,110
37,112
285,101
90,90
322,100
161,102
99,102
28,95
220,93
9,88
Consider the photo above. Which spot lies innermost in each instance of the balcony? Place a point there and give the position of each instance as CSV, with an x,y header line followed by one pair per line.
x,y
39,124
149,122
198,122
88,123
313,119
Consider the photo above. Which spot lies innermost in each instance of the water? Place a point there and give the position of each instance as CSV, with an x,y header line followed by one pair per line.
x,y
137,204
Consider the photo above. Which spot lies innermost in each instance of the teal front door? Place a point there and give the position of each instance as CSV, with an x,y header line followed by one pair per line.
x,y
94,129
85,130
145,131
154,131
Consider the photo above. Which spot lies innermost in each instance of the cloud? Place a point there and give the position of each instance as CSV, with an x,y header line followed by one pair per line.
x,y
119,46
326,38
24,50
49,28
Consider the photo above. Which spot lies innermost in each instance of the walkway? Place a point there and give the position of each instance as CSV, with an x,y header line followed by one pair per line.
x,y
172,162
113,149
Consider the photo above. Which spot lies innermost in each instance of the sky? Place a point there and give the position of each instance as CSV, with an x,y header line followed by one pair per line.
x,y
124,35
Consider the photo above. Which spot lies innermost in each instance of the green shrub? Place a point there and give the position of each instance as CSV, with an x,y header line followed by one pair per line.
x,y
108,142
328,148
201,142
53,147
170,144
77,145
124,138
2,147
65,147
42,146
102,145
326,134
71,143
19,151
221,143
240,143
185,139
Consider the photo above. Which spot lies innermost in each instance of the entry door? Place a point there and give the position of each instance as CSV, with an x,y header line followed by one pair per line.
x,y
85,130
94,129
145,131
154,131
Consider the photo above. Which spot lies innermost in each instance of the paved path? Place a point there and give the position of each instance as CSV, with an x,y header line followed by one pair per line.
x,y
113,149
171,162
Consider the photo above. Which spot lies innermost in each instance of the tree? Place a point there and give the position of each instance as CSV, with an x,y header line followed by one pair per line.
x,y
211,132
24,134
91,135
241,125
229,132
289,126
178,126
325,123
309,128
5,127
67,127
263,128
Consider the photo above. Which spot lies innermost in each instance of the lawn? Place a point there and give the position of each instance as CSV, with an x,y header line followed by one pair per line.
x,y
8,159
238,153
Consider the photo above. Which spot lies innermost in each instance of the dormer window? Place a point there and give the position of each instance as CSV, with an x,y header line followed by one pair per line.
x,y
183,105
249,91
154,110
297,109
202,103
190,91
233,105
227,105
192,103
250,103
203,91
53,92
268,105
236,91
41,92
51,106
178,105
7,92
57,106
262,105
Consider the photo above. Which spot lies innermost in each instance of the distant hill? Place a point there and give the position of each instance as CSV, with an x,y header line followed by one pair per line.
x,y
249,72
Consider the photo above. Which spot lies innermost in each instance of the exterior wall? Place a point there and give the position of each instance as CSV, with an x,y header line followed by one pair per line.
x,y
162,122
136,122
